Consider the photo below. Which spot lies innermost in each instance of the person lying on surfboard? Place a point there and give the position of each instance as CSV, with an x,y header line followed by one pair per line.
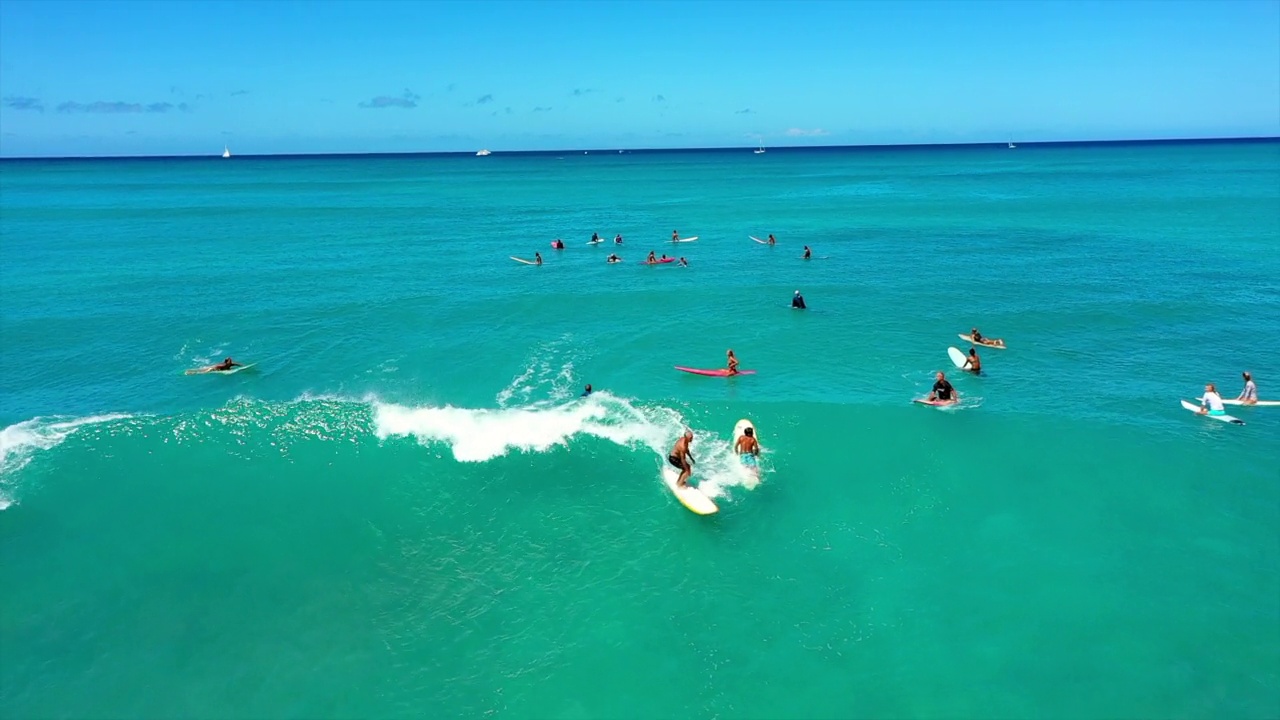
x,y
747,444
613,258
223,366
681,458
973,363
1249,395
733,363
807,252
797,301
537,258
942,390
1211,403
977,338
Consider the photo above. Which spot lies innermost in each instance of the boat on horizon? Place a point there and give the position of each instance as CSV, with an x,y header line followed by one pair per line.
x,y
760,150
226,151
1012,146
482,153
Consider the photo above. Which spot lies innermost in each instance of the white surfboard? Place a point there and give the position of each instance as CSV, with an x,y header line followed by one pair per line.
x,y
689,496
595,242
738,431
522,260
762,242
1260,403
688,239
957,358
1224,418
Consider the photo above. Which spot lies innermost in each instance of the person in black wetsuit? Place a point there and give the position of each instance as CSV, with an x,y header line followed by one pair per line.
x,y
942,390
587,391
797,301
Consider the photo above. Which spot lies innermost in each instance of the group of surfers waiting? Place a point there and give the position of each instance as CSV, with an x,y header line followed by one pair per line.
x,y
558,244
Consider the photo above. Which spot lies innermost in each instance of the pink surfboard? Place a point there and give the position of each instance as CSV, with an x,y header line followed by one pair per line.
x,y
935,403
718,372
661,261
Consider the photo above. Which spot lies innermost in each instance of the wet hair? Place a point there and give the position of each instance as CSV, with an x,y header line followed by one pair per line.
x,y
973,351
749,432
1247,376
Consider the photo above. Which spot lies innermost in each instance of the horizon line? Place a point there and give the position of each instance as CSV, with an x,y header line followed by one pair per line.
x,y
721,148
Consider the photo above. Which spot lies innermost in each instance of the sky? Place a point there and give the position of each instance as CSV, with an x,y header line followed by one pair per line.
x,y
105,78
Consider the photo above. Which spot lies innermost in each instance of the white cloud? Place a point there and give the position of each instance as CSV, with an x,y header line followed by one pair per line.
x,y
800,132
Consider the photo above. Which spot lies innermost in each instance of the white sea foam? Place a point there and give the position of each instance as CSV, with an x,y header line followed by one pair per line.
x,y
481,434
21,441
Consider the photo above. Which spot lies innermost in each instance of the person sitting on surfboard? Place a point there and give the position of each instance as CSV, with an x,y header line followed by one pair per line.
x,y
807,252
747,444
537,258
797,301
595,237
1249,395
973,363
1211,403
771,240
681,458
942,390
733,363
977,338
653,258
675,236
557,244
618,240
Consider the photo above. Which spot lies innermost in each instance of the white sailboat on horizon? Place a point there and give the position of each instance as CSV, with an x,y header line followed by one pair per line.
x,y
760,150
226,151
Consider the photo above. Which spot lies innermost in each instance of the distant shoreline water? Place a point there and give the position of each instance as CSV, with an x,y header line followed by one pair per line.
x,y
1021,144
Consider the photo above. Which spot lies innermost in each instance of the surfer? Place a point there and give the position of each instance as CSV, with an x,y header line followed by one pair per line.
x,y
943,391
613,258
681,458
978,339
223,366
618,240
747,444
684,263
1249,395
771,240
587,391
1211,403
664,258
808,254
595,237
558,244
537,258
733,363
973,363
653,258
797,301
675,236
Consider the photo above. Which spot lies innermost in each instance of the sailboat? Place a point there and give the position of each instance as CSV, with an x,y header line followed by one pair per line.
x,y
226,152
760,150
483,153
1012,146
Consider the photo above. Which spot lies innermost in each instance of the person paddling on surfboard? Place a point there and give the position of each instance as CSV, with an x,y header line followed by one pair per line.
x,y
537,258
977,338
797,301
943,391
681,458
808,254
613,259
223,366
1211,403
973,363
747,444
733,363
1249,395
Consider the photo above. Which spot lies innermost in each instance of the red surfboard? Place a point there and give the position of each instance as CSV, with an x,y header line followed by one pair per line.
x,y
718,372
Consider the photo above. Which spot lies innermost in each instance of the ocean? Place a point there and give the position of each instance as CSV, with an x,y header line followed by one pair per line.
x,y
405,509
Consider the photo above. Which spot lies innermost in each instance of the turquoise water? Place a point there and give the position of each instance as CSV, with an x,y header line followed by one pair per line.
x,y
404,509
